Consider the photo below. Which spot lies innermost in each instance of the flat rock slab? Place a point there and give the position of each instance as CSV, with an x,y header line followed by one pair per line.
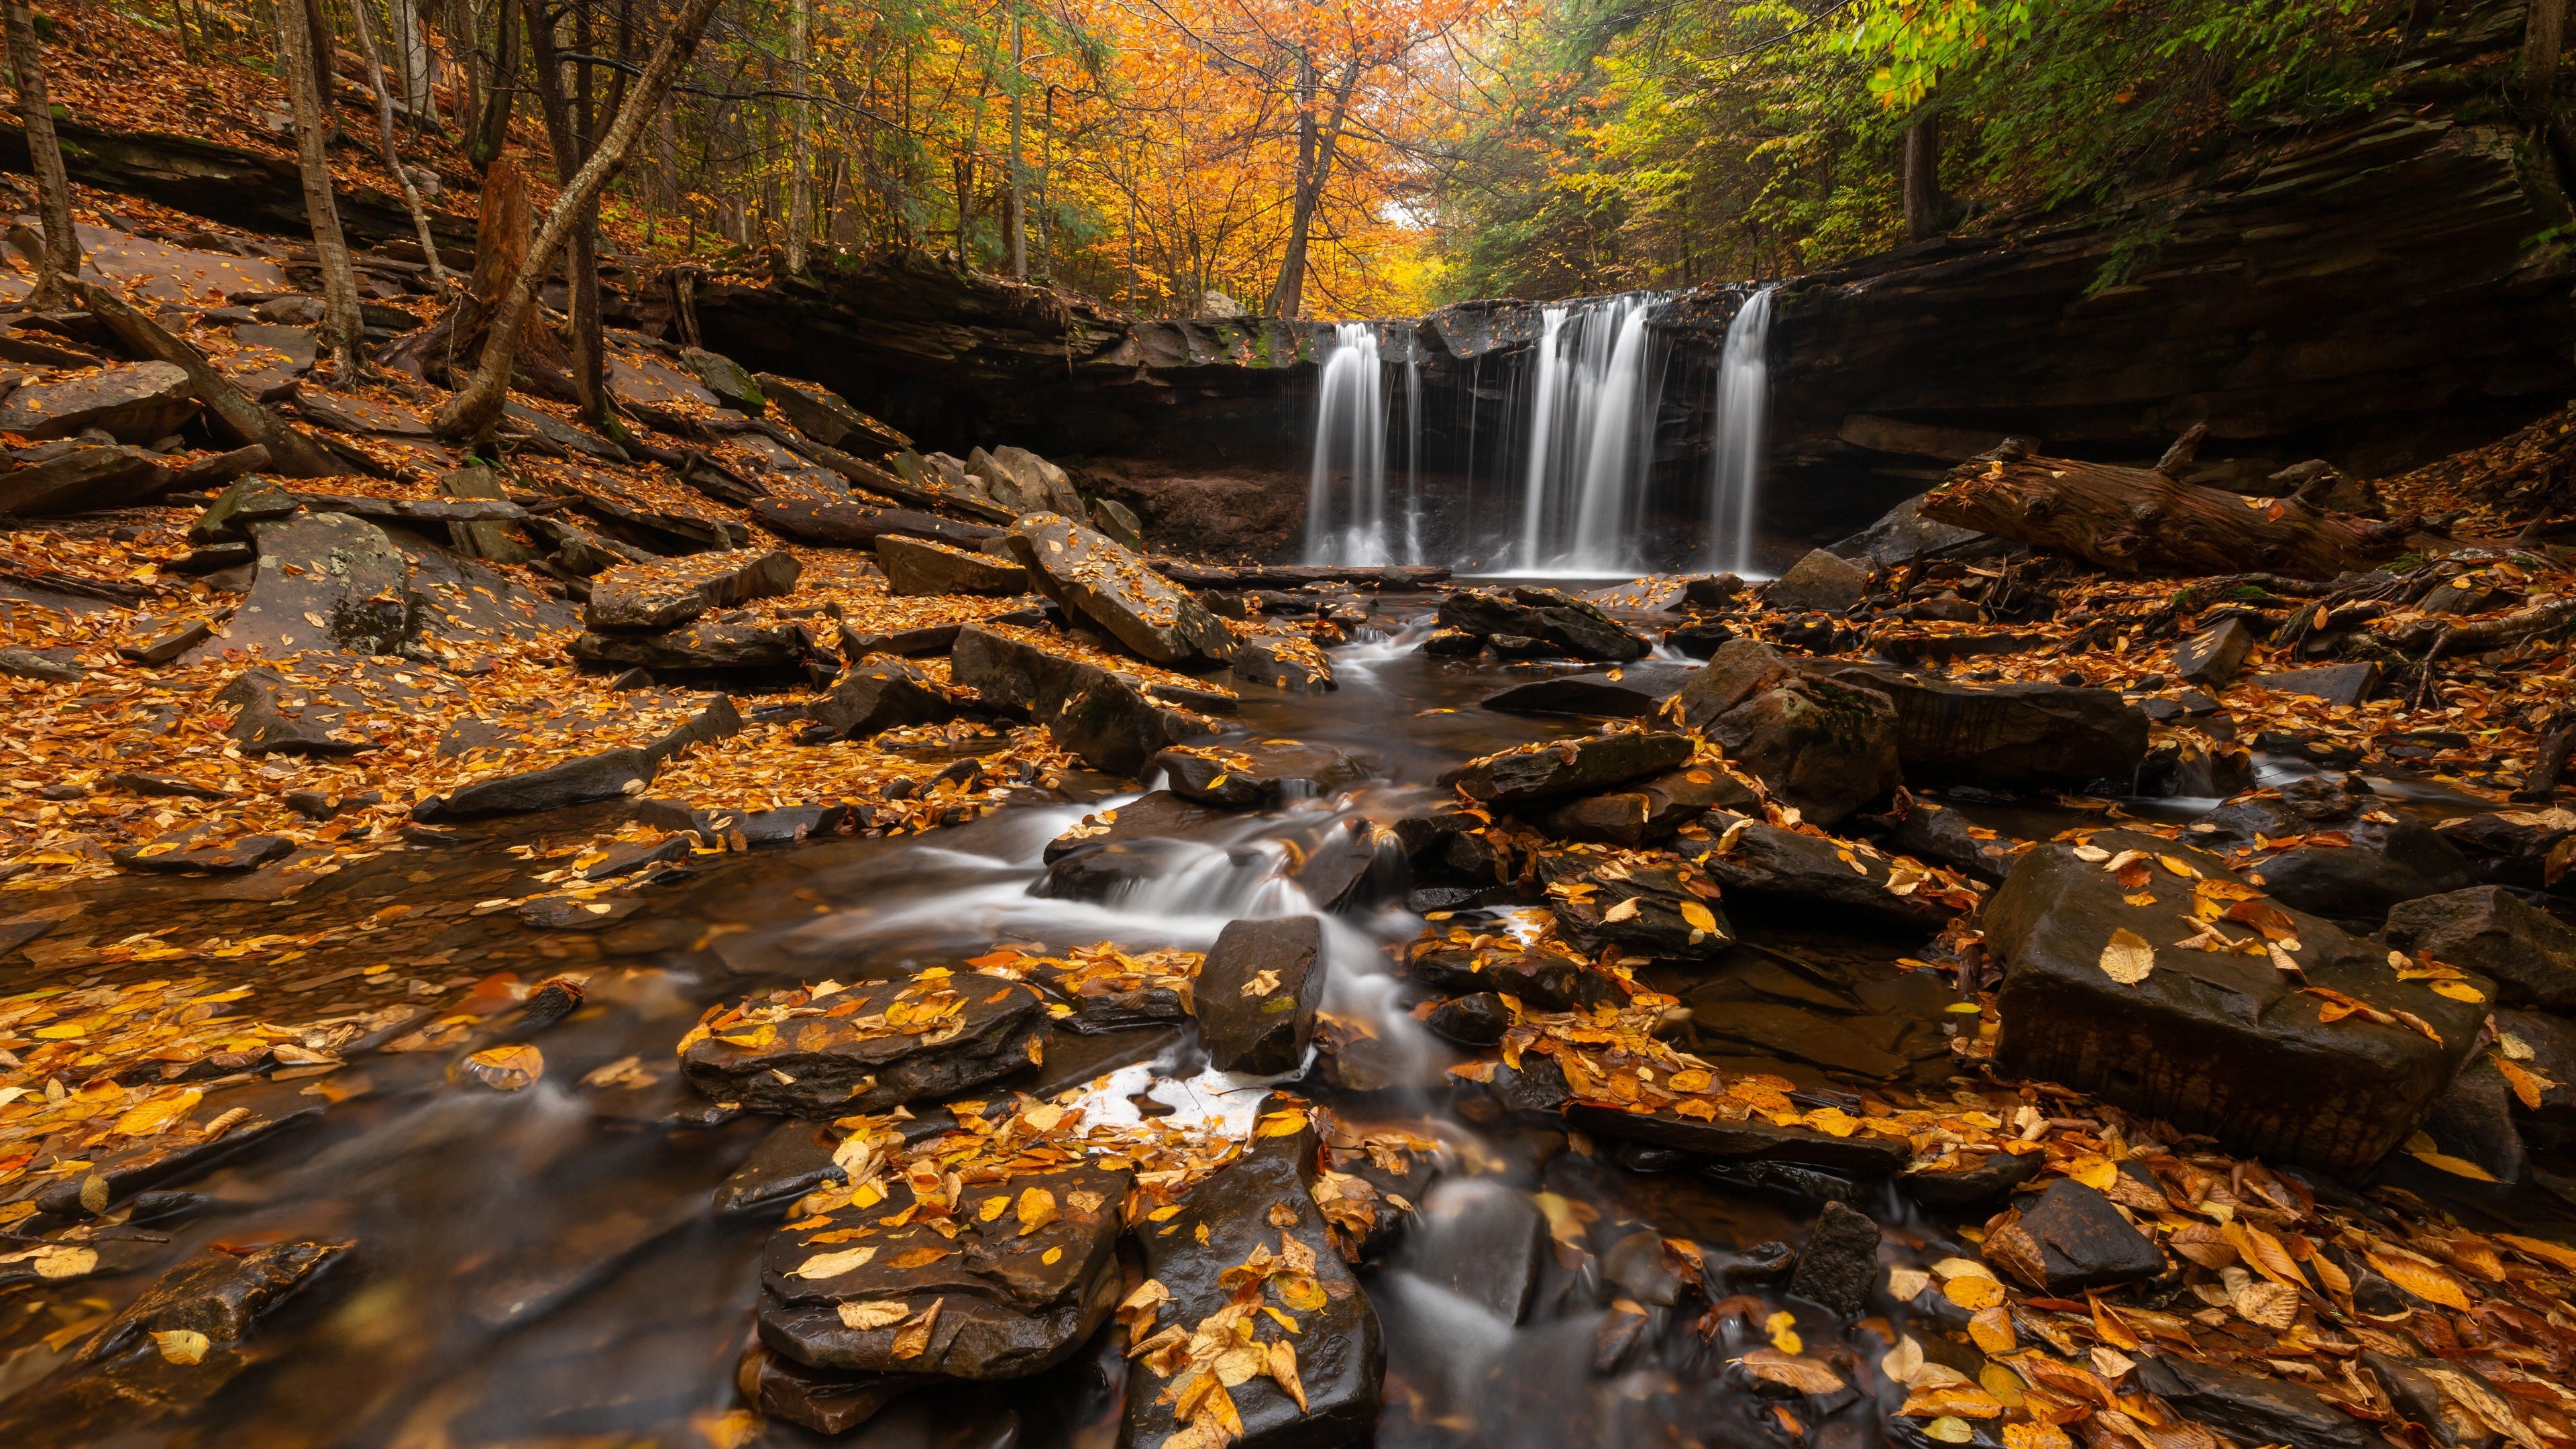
x,y
2214,1041
1255,773
204,847
2070,1239
1651,910
1552,768
1253,1205
1012,1298
1647,810
1784,867
2377,864
882,694
643,378
1549,621
2007,736
82,479
138,403
2530,953
1257,993
699,646
1599,696
853,524
1281,663
827,417
605,775
672,591
348,413
1830,1042
274,716
923,566
318,574
872,1048
2345,684
1088,573
1159,815
1751,1140
1820,581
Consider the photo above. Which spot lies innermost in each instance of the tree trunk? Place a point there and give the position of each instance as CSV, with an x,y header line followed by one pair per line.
x,y
343,326
474,412
1923,177
393,157
2544,28
1288,299
800,119
564,128
410,53
2137,520
236,414
1019,199
58,264
500,92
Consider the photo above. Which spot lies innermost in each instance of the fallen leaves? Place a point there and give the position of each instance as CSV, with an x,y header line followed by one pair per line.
x,y
2128,958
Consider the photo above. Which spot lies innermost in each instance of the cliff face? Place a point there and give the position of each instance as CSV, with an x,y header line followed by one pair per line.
x,y
2378,296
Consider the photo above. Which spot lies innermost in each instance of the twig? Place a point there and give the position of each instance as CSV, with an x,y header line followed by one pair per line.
x,y
2424,677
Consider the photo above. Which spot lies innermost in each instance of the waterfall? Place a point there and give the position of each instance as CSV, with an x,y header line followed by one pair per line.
x,y
1346,492
1597,381
1743,404
1412,461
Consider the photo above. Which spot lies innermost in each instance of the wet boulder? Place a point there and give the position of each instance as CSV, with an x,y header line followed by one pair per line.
x,y
2006,736
1281,662
1549,769
325,566
873,1291
1600,696
1665,911
827,417
672,591
1546,977
1259,773
140,403
2211,1036
1820,582
881,694
1786,868
869,1048
2254,1409
2530,954
77,478
272,716
1482,1240
1935,833
1548,621
1117,727
1739,670
1839,1264
1978,1178
1474,1021
1903,535
2214,656
1648,810
1257,993
2071,1239
2347,857
921,566
1878,1048
1256,1220
1825,747
1088,574
1157,815
1751,1139
704,645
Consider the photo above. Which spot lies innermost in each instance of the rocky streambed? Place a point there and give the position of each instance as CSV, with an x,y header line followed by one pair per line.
x,y
1480,1052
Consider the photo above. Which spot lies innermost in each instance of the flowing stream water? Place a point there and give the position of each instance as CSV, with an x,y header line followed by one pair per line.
x,y
1743,408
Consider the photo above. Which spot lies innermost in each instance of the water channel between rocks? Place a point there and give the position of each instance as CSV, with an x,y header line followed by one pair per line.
x,y
545,1266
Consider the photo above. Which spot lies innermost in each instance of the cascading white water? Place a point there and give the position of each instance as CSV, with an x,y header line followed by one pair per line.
x,y
1743,405
1593,399
1346,491
1412,461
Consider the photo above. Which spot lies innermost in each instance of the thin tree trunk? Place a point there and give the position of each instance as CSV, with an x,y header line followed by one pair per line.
x,y
58,264
1923,177
1019,196
474,412
324,51
800,120
581,259
2544,29
500,91
393,157
343,325
410,52
1288,299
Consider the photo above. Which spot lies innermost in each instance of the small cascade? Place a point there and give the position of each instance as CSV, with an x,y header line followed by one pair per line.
x,y
1743,405
1346,519
1595,386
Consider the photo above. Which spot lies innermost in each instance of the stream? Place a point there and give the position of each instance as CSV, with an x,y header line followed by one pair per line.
x,y
542,1266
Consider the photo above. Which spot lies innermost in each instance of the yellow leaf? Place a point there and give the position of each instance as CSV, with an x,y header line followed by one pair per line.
x,y
2458,991
1992,1329
2547,1252
182,1346
916,1257
1281,1124
1699,917
1782,1328
2456,1166
2035,1436
1051,1256
1805,1375
993,1207
2094,1171
154,1115
2430,1284
2128,958
864,1316
1973,1293
832,1265
1037,1209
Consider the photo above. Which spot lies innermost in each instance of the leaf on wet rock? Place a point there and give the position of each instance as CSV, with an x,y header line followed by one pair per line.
x,y
505,1068
913,1339
1037,1208
1805,1375
873,1315
833,1265
1992,1329
2426,1282
2128,958
1900,1362
181,1346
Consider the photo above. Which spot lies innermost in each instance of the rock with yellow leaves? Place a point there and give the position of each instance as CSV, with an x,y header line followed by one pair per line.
x,y
865,1048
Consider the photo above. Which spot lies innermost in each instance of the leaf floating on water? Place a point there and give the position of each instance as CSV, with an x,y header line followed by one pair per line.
x,y
1286,1123
182,1346
2128,958
1805,1375
505,1068
1782,1329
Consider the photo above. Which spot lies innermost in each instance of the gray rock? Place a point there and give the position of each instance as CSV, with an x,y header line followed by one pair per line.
x,y
1257,994
275,717
2530,953
1839,1264
1904,535
1542,622
917,566
1118,521
2255,1409
729,380
672,591
1820,582
344,570
137,403
1082,570
879,695
1739,670
2007,736
2216,1042
1646,810
1786,868
2214,656
1481,1240
827,417
565,913
2070,1240
1550,769
823,1065
1117,727
202,848
2345,684
54,666
1042,483
82,479
700,646
1826,747
1281,663
1244,775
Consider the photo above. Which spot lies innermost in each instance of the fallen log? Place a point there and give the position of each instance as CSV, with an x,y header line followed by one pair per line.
x,y
2139,520
855,524
236,412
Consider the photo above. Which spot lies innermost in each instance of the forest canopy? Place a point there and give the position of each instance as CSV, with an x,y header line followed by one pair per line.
x,y
1339,158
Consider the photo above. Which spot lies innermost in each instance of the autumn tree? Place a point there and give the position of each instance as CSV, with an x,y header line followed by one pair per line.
x,y
343,326
58,261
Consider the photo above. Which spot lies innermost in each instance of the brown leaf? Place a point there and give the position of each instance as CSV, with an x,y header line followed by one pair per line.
x,y
1805,1375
